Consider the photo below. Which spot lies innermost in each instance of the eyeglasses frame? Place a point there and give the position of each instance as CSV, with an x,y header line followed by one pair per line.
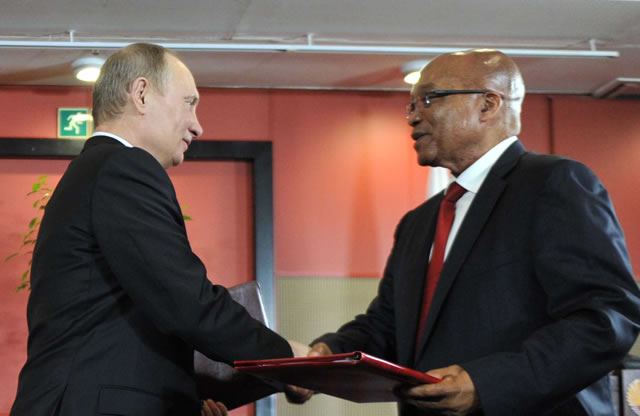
x,y
429,95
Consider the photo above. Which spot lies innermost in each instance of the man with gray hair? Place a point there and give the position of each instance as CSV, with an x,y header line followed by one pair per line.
x,y
118,299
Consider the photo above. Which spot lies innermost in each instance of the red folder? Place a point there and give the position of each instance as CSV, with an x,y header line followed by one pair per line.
x,y
354,376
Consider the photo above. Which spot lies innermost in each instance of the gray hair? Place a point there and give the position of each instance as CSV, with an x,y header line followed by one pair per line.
x,y
118,73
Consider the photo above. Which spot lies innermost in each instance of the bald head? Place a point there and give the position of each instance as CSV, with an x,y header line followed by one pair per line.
x,y
484,69
463,105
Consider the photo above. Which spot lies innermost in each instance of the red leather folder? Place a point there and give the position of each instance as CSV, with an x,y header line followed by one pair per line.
x,y
354,376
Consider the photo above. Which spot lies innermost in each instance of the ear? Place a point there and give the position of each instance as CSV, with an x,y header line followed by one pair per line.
x,y
491,103
139,94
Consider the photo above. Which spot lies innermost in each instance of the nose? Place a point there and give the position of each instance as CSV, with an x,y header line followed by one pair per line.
x,y
413,118
195,129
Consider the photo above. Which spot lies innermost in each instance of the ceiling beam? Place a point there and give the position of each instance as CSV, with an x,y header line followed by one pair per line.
x,y
310,48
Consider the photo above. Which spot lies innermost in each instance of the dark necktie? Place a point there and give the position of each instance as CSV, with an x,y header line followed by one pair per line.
x,y
443,227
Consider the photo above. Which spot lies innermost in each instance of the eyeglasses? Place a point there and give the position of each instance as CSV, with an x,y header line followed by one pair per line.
x,y
424,100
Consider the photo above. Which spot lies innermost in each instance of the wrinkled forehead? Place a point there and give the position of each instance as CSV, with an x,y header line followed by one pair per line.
x,y
438,75
458,70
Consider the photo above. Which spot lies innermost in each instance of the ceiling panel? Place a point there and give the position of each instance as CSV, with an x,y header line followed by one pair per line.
x,y
560,24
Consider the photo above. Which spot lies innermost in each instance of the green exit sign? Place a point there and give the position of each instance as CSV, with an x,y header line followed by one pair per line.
x,y
74,123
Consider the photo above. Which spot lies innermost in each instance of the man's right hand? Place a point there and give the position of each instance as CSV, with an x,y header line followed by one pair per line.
x,y
299,395
211,408
319,349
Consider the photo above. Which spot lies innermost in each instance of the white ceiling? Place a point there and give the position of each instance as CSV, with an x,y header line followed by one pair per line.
x,y
540,24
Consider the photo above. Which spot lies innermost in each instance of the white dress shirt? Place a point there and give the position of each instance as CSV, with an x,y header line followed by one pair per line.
x,y
471,179
113,136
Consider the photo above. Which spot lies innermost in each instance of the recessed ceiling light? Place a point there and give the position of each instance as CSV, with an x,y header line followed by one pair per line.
x,y
88,68
411,70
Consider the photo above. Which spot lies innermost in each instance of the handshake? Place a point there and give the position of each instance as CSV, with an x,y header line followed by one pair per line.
x,y
294,394
354,376
299,395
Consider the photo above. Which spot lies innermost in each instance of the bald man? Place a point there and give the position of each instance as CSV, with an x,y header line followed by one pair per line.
x,y
535,302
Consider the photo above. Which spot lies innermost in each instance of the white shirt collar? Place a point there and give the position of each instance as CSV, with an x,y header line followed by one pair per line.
x,y
473,176
113,136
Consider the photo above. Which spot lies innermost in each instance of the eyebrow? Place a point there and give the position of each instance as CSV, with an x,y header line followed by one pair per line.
x,y
192,99
426,88
423,89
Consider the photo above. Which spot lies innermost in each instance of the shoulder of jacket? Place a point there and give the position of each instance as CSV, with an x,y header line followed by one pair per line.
x,y
533,160
130,162
426,208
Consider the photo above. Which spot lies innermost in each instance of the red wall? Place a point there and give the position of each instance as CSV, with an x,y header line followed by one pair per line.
x,y
344,173
15,212
606,136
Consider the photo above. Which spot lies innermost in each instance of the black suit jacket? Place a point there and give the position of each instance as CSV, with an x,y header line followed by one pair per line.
x,y
536,299
118,299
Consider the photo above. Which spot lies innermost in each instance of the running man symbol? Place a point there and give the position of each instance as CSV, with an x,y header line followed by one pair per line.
x,y
75,122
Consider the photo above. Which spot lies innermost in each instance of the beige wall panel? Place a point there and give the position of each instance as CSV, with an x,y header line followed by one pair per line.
x,y
307,308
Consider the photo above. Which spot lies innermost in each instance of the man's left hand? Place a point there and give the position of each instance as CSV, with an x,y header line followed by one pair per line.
x,y
455,395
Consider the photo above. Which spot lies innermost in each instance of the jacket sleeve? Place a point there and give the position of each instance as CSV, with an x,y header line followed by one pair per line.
x,y
140,231
581,263
373,332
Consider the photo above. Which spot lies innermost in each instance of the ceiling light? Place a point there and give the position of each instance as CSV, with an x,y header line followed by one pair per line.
x,y
621,87
88,68
412,77
411,70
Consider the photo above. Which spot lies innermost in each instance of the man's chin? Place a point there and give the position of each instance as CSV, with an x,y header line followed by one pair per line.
x,y
425,161
177,160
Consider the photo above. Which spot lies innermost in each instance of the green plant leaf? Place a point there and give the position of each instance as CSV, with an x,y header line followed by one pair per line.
x,y
24,281
186,217
28,240
11,256
25,277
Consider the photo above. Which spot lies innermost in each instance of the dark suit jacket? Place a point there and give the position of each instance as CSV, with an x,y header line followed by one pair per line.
x,y
118,299
536,300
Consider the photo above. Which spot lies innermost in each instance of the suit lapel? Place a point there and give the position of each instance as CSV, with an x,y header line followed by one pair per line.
x,y
413,281
471,227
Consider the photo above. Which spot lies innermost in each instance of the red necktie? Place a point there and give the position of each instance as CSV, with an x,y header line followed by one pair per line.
x,y
443,227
